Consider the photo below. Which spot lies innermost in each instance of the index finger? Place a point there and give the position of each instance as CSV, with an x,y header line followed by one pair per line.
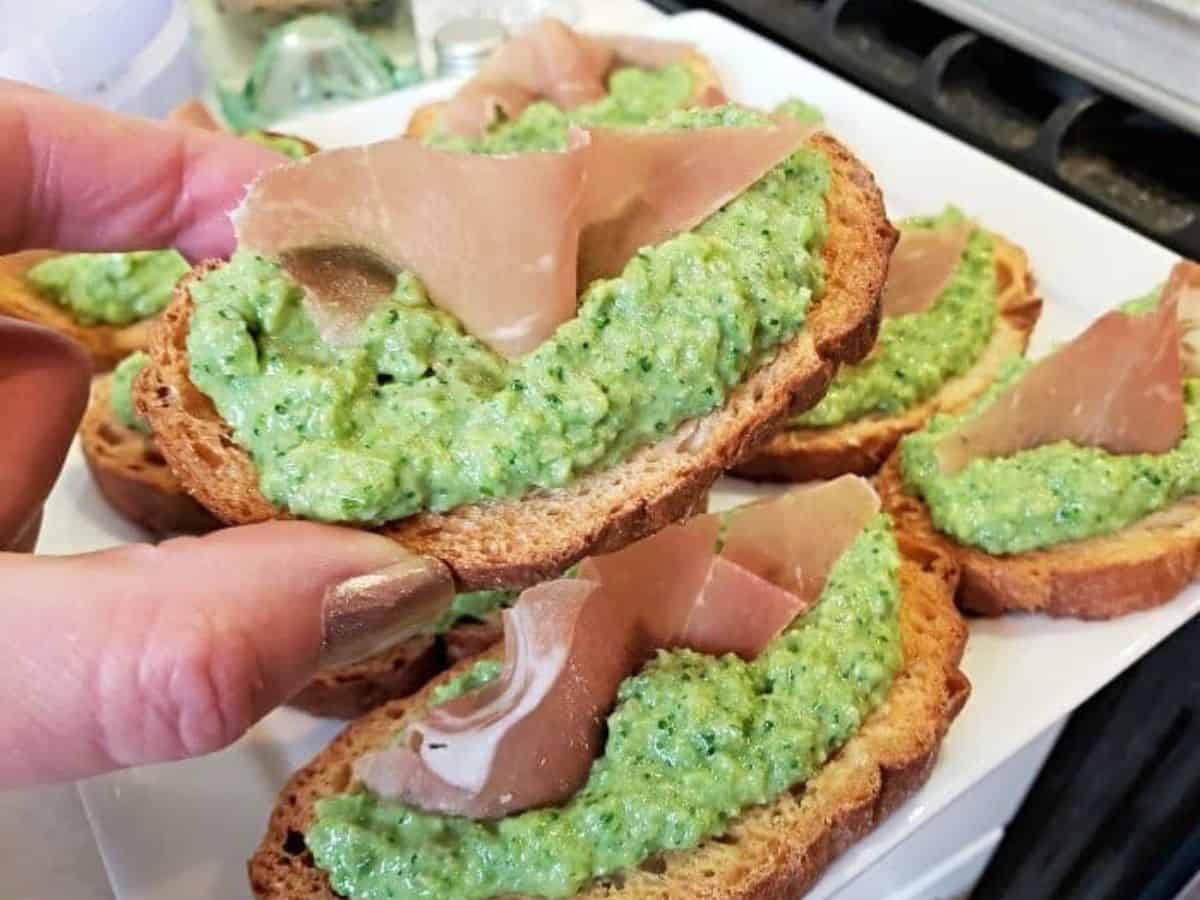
x,y
75,177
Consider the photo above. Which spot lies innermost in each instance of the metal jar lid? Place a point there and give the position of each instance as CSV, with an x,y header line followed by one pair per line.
x,y
463,45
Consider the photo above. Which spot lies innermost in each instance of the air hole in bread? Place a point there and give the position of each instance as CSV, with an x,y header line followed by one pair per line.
x,y
294,843
726,838
108,435
655,865
151,455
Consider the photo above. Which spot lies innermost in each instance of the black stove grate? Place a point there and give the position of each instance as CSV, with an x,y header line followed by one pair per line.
x,y
1129,164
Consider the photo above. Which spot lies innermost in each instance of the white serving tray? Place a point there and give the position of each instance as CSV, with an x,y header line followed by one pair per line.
x,y
183,831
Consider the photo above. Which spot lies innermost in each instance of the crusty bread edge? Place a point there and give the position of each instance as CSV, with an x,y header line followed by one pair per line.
x,y
1137,568
856,790
841,326
861,447
149,496
107,344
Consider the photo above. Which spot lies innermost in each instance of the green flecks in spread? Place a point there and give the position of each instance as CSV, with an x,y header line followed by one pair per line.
x,y
121,395
415,414
292,148
475,677
635,96
917,353
110,288
694,740
1059,492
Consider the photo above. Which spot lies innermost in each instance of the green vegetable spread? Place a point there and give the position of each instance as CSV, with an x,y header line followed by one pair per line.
x,y
694,740
121,393
1051,494
415,414
110,288
917,353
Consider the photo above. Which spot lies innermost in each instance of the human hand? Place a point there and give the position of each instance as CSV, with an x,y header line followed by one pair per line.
x,y
143,654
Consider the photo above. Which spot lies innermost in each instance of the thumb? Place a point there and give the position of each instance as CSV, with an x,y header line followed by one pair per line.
x,y
150,653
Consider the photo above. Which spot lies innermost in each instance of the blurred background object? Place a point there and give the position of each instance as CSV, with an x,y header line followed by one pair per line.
x,y
130,55
267,59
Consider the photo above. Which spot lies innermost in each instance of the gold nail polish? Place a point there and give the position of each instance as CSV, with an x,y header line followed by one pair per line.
x,y
366,614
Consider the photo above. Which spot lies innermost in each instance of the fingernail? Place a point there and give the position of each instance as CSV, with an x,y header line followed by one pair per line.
x,y
367,614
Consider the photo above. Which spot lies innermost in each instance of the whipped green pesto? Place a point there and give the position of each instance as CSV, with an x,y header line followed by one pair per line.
x,y
416,414
917,353
693,741
1047,495
635,97
109,288
121,392
291,147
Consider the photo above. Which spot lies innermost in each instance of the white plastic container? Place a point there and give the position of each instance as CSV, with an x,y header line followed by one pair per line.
x,y
130,55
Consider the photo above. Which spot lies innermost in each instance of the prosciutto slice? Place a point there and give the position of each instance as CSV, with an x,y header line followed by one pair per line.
x,y
447,217
1117,386
922,265
529,738
794,539
499,242
645,186
550,61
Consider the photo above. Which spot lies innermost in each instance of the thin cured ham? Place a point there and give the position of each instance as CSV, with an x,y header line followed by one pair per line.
x,y
778,540
646,186
550,61
529,737
451,219
446,217
921,267
1117,386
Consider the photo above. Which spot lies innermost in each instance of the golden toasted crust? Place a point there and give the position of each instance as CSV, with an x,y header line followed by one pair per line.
x,y
108,344
132,474
515,543
1137,568
773,851
704,76
860,447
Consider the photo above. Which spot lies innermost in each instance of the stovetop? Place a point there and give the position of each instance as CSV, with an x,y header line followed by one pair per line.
x,y
1130,163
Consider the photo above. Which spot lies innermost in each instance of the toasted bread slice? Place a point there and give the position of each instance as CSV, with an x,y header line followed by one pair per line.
x,y
516,543
778,850
132,474
704,78
1139,567
860,447
107,344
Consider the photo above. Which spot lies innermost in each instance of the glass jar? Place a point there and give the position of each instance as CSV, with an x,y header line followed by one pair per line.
x,y
269,59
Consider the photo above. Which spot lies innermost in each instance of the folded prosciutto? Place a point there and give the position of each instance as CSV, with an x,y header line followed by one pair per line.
x,y
500,242
1117,386
529,737
921,267
550,61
